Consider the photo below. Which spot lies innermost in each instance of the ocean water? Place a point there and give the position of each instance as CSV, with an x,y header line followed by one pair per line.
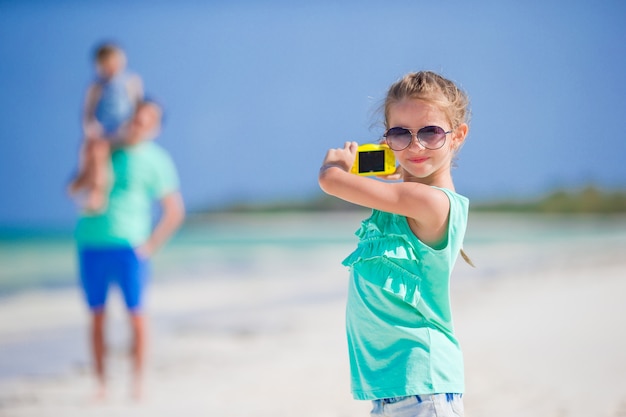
x,y
219,245
216,244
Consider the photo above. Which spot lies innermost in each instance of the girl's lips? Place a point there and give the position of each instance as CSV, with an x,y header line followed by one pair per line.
x,y
418,160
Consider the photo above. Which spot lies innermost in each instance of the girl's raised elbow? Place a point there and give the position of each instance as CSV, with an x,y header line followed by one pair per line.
x,y
324,182
327,179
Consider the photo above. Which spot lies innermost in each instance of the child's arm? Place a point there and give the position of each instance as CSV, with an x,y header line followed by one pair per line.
x,y
91,127
134,87
427,206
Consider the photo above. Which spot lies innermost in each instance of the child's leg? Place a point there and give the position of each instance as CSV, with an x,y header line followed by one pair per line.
x,y
80,180
93,173
99,162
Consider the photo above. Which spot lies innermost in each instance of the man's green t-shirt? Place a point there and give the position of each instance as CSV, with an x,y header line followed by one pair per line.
x,y
141,174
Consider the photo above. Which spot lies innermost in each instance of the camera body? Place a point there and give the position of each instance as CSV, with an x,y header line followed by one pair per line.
x,y
374,159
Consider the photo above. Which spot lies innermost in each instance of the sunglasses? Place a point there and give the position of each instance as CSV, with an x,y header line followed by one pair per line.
x,y
430,137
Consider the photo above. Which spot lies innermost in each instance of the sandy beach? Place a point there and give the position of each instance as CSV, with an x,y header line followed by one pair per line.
x,y
542,328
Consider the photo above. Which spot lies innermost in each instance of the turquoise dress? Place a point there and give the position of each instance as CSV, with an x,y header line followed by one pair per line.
x,y
399,325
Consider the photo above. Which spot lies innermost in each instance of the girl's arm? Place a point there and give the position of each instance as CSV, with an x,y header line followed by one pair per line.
x,y
425,207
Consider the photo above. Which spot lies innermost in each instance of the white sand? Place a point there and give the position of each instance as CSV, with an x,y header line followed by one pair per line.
x,y
545,337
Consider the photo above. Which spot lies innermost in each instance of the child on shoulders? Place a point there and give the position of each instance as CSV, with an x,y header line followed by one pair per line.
x,y
110,102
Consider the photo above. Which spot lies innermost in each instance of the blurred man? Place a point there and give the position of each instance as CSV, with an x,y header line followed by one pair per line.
x,y
115,245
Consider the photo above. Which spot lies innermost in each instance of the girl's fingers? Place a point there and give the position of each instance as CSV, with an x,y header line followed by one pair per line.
x,y
393,177
342,156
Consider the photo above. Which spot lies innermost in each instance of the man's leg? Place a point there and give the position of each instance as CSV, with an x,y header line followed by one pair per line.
x,y
132,284
138,351
93,265
98,349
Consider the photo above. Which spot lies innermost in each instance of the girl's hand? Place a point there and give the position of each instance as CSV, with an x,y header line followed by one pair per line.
x,y
396,176
341,157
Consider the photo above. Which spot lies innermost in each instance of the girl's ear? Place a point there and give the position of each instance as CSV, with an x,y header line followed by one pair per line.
x,y
459,135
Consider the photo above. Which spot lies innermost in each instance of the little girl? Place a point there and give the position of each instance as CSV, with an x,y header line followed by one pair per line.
x,y
404,355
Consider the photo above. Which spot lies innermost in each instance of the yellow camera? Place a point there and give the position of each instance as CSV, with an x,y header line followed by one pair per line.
x,y
373,159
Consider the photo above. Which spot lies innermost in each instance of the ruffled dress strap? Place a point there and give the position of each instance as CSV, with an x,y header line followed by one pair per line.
x,y
387,257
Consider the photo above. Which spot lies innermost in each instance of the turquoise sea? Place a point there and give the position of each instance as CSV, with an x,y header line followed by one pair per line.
x,y
204,247
219,245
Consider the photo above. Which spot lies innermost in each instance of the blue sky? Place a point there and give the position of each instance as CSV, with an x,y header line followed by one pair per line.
x,y
256,92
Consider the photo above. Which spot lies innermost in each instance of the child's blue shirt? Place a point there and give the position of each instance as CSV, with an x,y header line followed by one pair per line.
x,y
115,105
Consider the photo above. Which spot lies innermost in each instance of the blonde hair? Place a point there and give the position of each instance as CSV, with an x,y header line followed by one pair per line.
x,y
434,89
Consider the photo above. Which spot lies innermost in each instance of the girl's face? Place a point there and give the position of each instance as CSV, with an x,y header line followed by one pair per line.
x,y
431,167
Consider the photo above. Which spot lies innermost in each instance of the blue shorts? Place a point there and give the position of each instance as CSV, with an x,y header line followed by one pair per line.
x,y
120,265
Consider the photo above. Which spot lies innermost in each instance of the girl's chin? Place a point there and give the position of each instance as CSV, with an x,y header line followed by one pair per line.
x,y
417,173
415,177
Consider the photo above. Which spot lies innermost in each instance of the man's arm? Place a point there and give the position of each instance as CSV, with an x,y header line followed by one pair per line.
x,y
172,216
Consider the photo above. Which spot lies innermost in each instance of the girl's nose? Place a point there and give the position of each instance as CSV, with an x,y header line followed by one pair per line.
x,y
415,141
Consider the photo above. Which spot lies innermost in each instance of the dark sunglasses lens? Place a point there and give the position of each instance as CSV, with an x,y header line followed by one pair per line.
x,y
398,138
432,137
